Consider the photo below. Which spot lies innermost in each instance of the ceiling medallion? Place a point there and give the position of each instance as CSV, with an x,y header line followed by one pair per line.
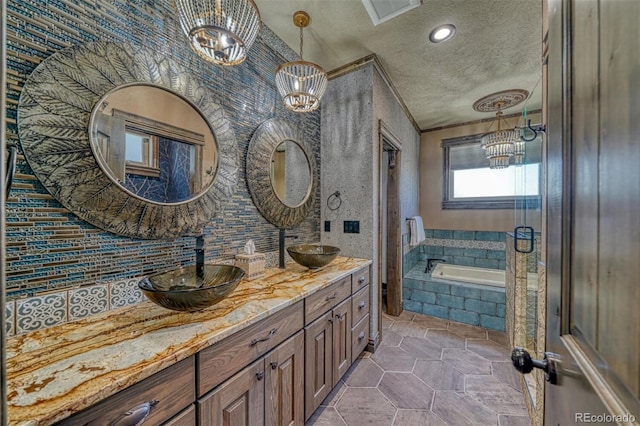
x,y
499,101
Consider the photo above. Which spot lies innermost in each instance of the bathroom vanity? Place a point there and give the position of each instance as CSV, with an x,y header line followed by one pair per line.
x,y
267,354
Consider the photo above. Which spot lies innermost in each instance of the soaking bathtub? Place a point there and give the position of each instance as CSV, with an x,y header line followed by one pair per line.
x,y
474,275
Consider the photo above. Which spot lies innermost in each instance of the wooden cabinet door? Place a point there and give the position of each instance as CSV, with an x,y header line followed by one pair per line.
x,y
341,339
284,383
237,402
318,362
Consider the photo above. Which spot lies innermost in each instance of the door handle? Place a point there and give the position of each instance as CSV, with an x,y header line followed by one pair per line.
x,y
523,362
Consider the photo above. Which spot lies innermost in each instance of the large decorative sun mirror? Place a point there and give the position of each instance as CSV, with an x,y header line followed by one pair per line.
x,y
128,140
280,174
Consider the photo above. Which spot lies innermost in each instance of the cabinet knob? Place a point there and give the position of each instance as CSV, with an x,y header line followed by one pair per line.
x,y
341,317
361,335
274,365
361,280
362,305
136,415
260,375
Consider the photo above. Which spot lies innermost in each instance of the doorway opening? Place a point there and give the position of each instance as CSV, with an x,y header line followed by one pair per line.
x,y
390,233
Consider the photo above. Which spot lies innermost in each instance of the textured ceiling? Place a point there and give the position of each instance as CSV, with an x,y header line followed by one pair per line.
x,y
497,47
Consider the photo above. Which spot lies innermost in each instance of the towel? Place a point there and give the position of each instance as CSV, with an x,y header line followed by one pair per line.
x,y
417,231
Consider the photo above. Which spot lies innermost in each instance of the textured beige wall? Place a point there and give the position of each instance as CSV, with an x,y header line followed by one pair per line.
x,y
431,187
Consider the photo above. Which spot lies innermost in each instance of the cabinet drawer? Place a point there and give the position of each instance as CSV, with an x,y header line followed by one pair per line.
x,y
186,418
360,279
222,360
359,305
172,388
325,299
359,337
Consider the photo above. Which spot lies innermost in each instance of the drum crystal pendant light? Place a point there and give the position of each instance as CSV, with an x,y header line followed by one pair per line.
x,y
220,31
300,83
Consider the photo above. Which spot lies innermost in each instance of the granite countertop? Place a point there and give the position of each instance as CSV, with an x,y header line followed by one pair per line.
x,y
56,372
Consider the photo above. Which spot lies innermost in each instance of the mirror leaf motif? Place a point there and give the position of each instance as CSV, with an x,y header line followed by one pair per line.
x,y
54,115
267,137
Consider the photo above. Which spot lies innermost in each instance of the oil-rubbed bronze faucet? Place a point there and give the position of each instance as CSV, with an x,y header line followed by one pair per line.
x,y
200,256
281,238
431,263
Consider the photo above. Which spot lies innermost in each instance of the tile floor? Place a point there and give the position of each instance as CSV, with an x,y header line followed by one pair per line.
x,y
428,371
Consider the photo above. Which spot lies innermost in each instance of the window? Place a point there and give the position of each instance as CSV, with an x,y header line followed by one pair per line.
x,y
141,153
469,183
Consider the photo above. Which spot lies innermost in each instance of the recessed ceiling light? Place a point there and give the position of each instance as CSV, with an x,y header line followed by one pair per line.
x,y
442,33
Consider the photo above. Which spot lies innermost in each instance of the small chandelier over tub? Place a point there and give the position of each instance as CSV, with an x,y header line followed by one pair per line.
x,y
500,145
220,31
300,83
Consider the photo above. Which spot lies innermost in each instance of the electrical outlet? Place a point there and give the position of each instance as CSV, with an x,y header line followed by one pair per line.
x,y
351,227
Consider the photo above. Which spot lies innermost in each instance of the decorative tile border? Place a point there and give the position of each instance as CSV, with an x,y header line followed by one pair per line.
x,y
9,314
39,312
124,293
445,242
87,301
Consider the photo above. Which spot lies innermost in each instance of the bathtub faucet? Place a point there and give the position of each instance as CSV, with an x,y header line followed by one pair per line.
x,y
431,263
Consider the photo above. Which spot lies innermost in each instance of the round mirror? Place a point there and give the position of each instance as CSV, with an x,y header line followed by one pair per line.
x,y
128,139
163,155
281,174
290,173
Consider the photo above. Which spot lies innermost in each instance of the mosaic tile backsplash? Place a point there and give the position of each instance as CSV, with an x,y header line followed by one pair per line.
x,y
51,254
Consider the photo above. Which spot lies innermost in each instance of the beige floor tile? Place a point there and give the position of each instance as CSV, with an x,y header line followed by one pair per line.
x,y
500,337
459,409
431,322
421,348
365,374
505,372
439,375
467,331
390,338
466,362
488,349
390,358
446,339
408,328
379,389
335,395
325,416
417,418
366,407
405,390
515,421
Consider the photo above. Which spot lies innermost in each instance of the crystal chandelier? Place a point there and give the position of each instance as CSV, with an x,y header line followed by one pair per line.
x,y
300,83
518,148
499,145
220,31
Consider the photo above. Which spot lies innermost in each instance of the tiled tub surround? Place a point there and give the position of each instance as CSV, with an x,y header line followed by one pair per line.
x,y
49,249
457,301
484,249
55,372
462,302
